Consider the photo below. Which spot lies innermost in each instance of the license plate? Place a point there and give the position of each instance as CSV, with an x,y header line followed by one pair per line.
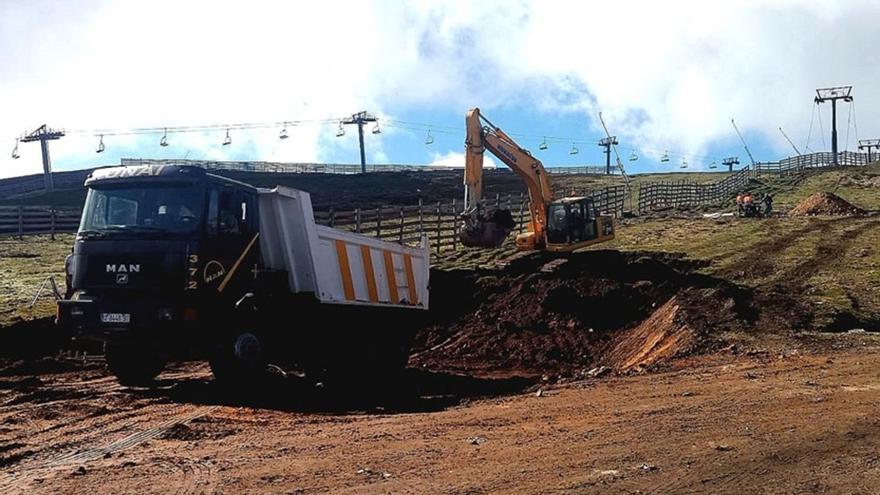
x,y
115,317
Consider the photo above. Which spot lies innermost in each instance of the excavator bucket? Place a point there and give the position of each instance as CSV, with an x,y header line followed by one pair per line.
x,y
485,228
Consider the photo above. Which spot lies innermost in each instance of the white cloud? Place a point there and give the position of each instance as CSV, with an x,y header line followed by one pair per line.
x,y
456,159
668,75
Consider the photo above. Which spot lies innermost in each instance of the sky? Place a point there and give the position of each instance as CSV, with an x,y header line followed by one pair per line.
x,y
666,76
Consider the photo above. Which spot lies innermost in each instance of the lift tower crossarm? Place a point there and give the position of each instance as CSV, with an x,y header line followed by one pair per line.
x,y
43,134
832,95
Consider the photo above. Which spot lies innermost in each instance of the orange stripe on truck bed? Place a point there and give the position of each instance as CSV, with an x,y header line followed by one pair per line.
x,y
367,258
345,270
389,275
410,280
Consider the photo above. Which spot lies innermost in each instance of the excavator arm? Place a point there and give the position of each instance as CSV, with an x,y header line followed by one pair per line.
x,y
480,138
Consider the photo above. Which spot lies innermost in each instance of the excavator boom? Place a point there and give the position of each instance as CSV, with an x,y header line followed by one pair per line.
x,y
574,223
480,138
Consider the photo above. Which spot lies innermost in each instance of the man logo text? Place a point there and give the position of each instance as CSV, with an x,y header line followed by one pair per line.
x,y
123,268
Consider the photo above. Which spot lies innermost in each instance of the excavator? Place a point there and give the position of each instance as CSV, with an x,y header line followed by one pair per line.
x,y
558,225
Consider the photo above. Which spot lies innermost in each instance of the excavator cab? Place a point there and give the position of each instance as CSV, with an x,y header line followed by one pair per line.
x,y
573,223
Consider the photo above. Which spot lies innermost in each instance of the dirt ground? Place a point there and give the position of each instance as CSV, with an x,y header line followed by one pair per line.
x,y
798,420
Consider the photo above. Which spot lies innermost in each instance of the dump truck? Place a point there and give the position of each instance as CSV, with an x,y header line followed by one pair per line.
x,y
173,260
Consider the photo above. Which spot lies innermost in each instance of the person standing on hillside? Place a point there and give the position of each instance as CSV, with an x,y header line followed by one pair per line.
x,y
767,201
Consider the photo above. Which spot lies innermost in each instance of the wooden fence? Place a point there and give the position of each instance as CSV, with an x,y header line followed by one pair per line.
x,y
21,220
405,224
440,221
659,195
796,165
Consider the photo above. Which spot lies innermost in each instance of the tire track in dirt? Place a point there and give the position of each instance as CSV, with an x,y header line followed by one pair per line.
x,y
195,477
19,477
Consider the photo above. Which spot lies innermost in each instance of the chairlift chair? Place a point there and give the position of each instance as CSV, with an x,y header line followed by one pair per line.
x,y
15,155
376,129
283,133
633,157
574,150
164,141
100,144
713,165
227,140
543,145
340,131
429,139
665,157
684,163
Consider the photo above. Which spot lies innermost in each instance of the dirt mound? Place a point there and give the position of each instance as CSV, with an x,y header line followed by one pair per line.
x,y
825,203
558,316
664,335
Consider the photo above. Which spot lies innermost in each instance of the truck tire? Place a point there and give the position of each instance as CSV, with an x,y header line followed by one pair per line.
x,y
132,364
237,360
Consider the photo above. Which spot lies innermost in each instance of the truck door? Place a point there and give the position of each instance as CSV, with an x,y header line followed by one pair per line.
x,y
231,248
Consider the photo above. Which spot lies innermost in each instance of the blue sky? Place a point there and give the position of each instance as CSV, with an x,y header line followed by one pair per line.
x,y
667,76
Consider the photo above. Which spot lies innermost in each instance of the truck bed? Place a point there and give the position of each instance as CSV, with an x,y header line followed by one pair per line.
x,y
339,267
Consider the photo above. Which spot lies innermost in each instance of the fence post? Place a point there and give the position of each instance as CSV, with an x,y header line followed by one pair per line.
x,y
454,226
438,227
421,219
400,234
52,223
20,222
378,222
357,220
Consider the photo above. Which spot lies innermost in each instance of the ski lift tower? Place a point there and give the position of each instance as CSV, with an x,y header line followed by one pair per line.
x,y
43,134
868,144
360,119
832,95
730,162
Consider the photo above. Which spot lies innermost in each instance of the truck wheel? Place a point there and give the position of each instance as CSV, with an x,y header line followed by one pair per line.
x,y
133,365
238,360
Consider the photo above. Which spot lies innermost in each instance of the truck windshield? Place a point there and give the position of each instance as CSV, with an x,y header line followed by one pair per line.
x,y
144,208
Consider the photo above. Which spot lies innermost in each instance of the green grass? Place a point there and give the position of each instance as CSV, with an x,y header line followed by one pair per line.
x,y
859,186
24,265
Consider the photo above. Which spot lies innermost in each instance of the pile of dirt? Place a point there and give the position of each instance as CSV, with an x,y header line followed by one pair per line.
x,y
825,203
559,316
664,335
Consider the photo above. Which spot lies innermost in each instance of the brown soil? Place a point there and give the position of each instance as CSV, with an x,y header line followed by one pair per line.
x,y
798,419
825,203
560,316
663,336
